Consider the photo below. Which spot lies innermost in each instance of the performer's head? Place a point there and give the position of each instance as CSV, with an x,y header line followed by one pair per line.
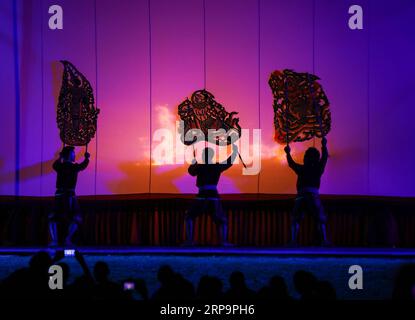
x,y
311,156
208,154
68,153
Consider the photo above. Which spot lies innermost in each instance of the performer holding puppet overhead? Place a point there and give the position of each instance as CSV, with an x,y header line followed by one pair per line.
x,y
207,120
301,112
77,122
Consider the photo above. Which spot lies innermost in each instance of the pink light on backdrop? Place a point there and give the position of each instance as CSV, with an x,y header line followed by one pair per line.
x,y
242,47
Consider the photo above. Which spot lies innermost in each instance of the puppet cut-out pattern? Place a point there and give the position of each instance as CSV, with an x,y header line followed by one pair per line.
x,y
301,108
203,112
76,112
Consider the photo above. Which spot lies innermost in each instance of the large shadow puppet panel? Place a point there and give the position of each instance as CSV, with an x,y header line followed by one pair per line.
x,y
203,114
301,108
76,112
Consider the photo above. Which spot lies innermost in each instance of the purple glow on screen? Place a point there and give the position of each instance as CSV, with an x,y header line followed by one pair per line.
x,y
142,63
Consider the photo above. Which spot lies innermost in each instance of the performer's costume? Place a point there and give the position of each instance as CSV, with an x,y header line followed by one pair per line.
x,y
207,180
207,200
202,115
301,112
66,204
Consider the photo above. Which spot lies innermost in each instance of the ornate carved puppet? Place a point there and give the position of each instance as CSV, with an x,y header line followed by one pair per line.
x,y
301,108
203,112
76,112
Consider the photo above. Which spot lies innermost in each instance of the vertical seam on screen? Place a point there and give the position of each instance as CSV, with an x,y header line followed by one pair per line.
x,y
368,102
259,88
314,33
204,49
42,99
96,94
17,100
204,44
314,50
151,90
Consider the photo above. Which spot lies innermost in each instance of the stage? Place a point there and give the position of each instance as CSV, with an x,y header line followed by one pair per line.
x,y
136,234
255,220
114,122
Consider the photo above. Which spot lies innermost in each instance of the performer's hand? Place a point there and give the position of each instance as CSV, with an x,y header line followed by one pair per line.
x,y
324,141
87,155
287,149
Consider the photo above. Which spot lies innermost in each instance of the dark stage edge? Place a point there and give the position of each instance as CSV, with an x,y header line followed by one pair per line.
x,y
232,251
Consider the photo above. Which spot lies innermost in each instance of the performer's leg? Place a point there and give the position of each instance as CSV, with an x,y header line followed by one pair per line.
x,y
189,230
296,217
295,228
73,227
53,219
196,209
323,235
321,219
221,222
53,232
75,218
222,228
224,236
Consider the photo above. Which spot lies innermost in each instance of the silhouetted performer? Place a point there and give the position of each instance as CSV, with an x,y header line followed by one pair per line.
x,y
207,200
66,204
308,185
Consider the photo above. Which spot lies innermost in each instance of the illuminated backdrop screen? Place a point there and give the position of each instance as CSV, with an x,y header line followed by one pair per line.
x,y
142,60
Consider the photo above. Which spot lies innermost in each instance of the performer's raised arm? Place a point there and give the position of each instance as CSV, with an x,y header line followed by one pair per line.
x,y
291,163
82,166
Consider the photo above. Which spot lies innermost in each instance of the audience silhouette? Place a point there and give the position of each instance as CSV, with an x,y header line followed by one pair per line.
x,y
32,283
239,291
275,290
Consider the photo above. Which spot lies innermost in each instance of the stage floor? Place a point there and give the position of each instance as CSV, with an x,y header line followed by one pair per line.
x,y
227,251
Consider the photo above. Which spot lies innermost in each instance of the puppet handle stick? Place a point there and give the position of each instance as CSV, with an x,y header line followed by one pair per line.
x,y
86,148
239,155
243,163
